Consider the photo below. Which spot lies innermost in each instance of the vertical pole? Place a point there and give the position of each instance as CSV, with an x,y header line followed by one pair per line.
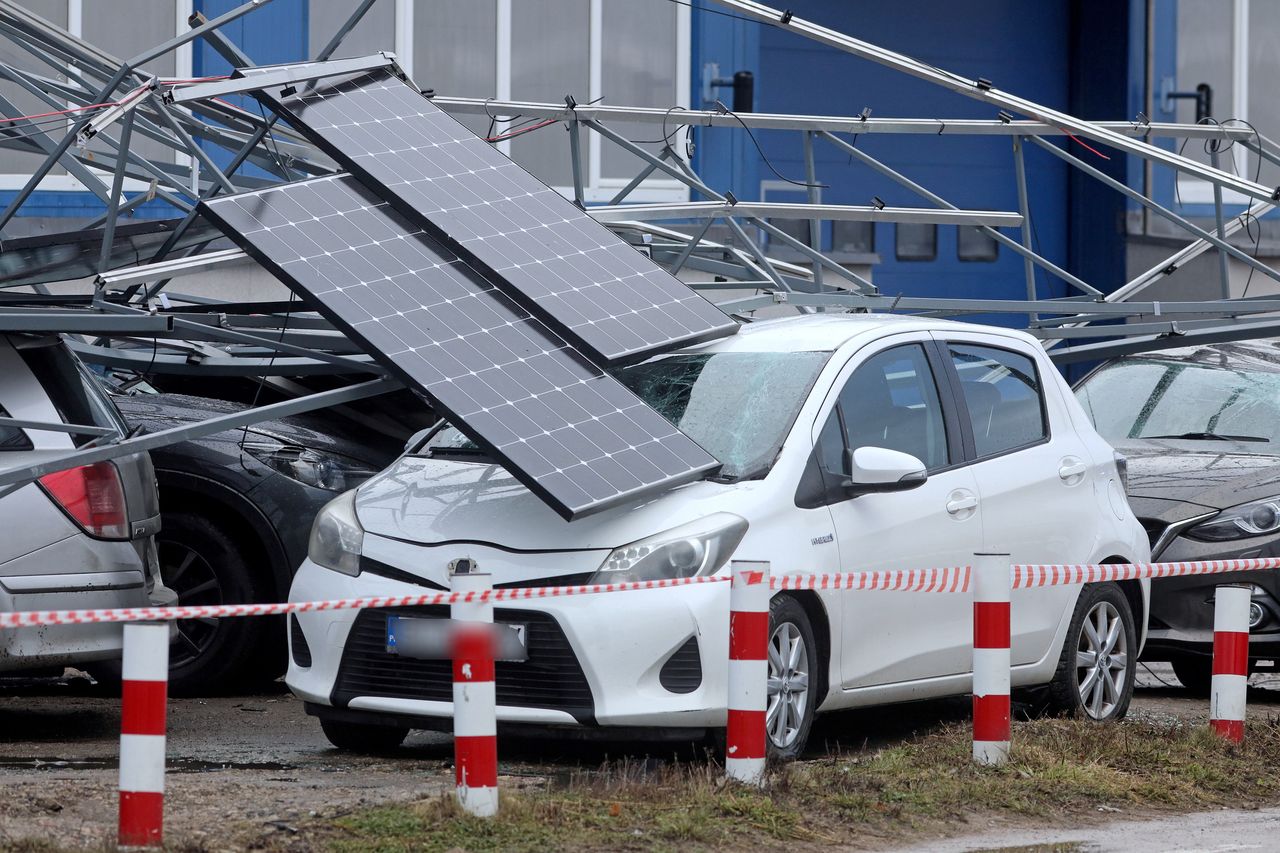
x,y
575,161
815,197
990,659
475,726
144,691
748,672
1024,207
1230,660
1224,269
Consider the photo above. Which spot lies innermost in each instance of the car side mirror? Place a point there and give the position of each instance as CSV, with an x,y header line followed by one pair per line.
x,y
877,469
416,439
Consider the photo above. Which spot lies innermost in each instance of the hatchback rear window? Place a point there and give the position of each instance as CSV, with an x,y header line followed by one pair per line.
x,y
75,394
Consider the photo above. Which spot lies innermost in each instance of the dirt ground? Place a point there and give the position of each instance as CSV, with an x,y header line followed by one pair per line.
x,y
241,768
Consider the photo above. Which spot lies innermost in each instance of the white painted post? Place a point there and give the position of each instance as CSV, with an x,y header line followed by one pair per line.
x,y
991,659
748,677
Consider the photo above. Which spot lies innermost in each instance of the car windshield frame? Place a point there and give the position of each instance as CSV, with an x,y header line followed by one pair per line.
x,y
743,385
1232,417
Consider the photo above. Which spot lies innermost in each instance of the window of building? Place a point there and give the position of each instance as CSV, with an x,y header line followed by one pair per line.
x,y
857,238
915,241
633,54
974,244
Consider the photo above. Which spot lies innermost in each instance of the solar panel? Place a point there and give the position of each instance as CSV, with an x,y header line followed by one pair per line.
x,y
570,432
606,296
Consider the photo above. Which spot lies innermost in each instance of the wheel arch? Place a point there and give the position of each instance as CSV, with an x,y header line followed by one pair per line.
x,y
1136,595
813,608
232,511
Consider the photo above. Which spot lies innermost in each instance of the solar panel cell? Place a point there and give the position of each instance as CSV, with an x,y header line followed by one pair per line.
x,y
578,438
564,265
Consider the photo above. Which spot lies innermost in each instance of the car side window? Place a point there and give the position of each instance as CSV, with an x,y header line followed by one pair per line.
x,y
890,401
1002,392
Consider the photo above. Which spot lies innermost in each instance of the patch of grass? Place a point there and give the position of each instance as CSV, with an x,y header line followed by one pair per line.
x,y
925,787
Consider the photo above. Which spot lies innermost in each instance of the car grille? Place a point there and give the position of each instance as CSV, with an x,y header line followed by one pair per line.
x,y
1154,529
551,678
682,673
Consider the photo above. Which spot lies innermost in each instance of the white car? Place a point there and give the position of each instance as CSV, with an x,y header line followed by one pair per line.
x,y
849,442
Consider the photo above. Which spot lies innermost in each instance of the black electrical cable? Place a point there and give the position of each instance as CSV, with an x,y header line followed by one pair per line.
x,y
765,157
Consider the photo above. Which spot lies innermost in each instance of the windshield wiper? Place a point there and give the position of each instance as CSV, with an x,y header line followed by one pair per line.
x,y
457,451
1210,436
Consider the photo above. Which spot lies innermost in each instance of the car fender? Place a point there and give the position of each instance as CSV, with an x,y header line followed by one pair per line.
x,y
243,508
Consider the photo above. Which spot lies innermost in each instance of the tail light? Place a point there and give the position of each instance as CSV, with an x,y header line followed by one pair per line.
x,y
94,498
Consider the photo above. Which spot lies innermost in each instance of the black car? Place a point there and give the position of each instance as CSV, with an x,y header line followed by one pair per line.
x,y
237,508
1200,427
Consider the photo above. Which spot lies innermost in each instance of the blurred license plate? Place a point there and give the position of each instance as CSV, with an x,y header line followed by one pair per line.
x,y
428,639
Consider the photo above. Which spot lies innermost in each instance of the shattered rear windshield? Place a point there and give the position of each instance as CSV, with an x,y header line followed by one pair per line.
x,y
739,406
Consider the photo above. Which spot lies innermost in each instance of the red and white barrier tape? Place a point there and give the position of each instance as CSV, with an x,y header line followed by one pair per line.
x,y
1026,577
942,580
954,579
30,618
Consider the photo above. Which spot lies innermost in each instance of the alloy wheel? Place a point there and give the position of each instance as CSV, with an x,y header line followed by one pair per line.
x,y
194,580
1102,660
788,685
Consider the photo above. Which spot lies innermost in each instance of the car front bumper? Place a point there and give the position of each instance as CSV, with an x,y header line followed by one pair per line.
x,y
1181,621
620,643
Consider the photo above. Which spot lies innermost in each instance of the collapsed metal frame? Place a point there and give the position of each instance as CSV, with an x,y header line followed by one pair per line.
x,y
209,337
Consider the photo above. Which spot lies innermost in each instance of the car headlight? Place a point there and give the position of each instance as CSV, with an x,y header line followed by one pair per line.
x,y
316,468
336,536
1256,518
698,548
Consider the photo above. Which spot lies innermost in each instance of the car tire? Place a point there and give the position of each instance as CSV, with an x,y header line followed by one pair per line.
x,y
204,565
1098,690
1195,673
363,737
794,664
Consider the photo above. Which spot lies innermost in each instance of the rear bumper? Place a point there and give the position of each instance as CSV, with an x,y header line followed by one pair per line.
x,y
97,575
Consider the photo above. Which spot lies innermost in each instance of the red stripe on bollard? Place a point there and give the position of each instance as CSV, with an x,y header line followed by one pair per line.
x,y
1232,730
476,761
991,625
745,737
991,718
1230,652
142,710
748,636
472,653
141,819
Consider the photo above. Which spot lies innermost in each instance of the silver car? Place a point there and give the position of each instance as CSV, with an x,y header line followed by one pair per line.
x,y
79,538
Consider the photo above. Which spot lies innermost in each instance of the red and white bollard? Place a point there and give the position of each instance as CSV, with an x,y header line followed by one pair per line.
x,y
991,658
144,693
1230,660
748,675
475,701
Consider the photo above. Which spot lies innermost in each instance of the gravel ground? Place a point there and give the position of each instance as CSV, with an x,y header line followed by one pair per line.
x,y
245,767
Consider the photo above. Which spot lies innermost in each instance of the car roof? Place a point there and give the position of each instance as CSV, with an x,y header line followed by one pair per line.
x,y
824,332
1261,355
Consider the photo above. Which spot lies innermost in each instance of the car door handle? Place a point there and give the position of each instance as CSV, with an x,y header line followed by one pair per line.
x,y
960,504
1071,470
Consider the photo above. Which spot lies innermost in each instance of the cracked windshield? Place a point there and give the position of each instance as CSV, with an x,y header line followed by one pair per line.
x,y
737,405
1147,398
